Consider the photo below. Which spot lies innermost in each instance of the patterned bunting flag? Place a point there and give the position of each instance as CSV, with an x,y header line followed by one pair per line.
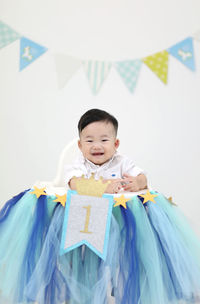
x,y
129,71
184,52
196,35
29,52
96,72
66,66
158,63
7,35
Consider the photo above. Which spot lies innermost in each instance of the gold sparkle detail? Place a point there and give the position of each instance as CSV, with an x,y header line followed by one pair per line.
x,y
91,186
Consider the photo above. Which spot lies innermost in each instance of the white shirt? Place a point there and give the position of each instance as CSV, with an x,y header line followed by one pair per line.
x,y
113,168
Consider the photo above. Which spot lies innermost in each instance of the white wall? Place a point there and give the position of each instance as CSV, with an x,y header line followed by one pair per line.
x,y
159,125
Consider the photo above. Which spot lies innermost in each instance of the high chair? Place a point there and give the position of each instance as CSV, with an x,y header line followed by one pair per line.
x,y
67,156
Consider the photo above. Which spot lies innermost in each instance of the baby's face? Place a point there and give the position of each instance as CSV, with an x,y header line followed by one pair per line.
x,y
98,142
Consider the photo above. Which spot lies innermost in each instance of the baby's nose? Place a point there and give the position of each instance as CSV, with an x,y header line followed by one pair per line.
x,y
96,145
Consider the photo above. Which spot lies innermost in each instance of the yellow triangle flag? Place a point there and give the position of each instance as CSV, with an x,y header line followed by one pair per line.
x,y
158,63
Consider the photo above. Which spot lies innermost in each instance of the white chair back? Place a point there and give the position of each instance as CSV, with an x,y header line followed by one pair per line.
x,y
68,155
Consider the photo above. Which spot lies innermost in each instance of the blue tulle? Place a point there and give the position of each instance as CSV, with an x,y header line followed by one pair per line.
x,y
78,277
13,241
128,280
177,254
153,256
4,212
40,225
46,280
152,287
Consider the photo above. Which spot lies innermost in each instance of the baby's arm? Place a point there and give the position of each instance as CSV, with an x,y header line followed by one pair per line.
x,y
72,182
134,184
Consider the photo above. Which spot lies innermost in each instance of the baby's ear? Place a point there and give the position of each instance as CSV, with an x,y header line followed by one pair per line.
x,y
79,144
117,142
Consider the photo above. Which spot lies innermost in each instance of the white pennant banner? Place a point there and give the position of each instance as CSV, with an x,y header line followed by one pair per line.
x,y
66,66
196,35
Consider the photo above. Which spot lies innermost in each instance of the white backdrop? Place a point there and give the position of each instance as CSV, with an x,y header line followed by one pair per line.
x,y
159,125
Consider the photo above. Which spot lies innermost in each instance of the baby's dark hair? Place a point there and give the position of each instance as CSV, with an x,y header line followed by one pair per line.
x,y
94,115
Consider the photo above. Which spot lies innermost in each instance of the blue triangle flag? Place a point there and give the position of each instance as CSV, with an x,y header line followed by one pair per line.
x,y
184,52
29,52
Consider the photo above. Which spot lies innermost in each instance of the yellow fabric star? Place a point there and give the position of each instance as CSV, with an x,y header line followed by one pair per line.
x,y
148,197
38,191
171,201
61,199
121,201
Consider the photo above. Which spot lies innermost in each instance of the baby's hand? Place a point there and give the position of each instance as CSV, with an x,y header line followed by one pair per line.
x,y
115,186
130,183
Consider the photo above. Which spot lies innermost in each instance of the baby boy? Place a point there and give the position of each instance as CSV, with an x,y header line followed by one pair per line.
x,y
98,143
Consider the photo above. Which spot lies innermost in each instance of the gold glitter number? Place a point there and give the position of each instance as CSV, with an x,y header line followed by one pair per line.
x,y
88,209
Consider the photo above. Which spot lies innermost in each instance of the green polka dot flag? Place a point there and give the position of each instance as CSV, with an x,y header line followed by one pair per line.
x,y
158,63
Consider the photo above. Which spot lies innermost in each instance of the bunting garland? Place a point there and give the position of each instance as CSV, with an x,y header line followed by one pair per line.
x,y
29,52
196,35
129,71
97,71
184,52
7,35
66,66
158,63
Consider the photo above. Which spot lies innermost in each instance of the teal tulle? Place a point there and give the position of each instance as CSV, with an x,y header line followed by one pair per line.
x,y
78,277
15,235
179,259
153,256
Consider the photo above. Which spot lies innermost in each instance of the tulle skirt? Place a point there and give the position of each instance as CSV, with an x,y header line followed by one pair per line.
x,y
153,256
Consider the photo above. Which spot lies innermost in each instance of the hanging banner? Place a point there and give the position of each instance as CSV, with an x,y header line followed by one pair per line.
x,y
158,63
66,66
196,35
184,52
87,221
129,72
96,72
7,35
29,52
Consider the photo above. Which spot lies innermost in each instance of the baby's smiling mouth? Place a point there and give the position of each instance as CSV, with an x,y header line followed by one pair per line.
x,y
97,154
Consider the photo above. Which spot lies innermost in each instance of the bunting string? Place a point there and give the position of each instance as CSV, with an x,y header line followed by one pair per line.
x,y
97,71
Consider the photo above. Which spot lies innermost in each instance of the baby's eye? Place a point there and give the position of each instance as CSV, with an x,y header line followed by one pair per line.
x,y
89,141
104,139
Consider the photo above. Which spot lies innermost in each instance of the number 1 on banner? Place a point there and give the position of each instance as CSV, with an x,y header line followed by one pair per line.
x,y
87,220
